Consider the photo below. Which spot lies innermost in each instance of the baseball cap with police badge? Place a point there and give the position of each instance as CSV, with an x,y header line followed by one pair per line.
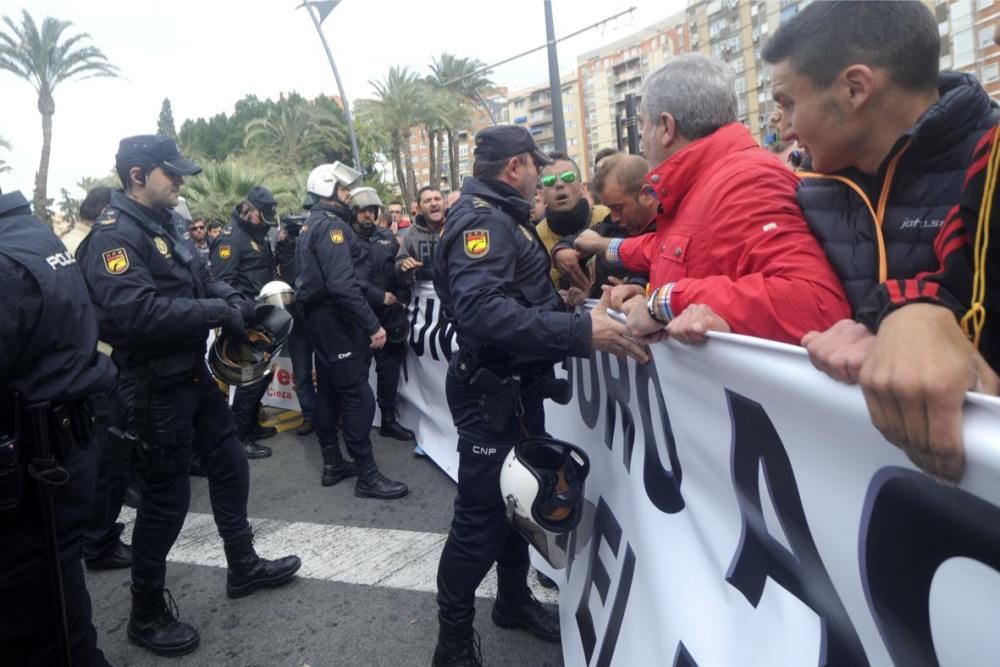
x,y
154,149
262,200
505,141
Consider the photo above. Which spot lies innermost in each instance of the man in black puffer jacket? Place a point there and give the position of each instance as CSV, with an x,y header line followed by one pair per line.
x,y
888,140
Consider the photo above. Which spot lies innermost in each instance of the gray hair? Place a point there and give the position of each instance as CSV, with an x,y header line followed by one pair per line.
x,y
697,90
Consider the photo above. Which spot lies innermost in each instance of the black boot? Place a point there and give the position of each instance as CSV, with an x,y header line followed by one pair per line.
x,y
255,450
373,484
118,557
528,613
153,624
306,428
391,428
261,432
247,571
457,646
335,468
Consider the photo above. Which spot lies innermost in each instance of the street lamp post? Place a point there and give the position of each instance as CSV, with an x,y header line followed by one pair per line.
x,y
323,9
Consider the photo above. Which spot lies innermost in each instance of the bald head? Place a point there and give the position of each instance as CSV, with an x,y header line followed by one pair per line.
x,y
619,183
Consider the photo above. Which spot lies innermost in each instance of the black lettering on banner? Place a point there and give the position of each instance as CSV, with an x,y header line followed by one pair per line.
x,y
619,392
589,402
663,486
800,572
606,527
913,524
417,336
682,658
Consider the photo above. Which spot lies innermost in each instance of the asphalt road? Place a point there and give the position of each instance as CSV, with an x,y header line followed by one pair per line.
x,y
365,595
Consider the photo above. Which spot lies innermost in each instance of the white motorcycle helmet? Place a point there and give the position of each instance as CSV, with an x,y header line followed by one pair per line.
x,y
276,293
542,484
323,180
365,197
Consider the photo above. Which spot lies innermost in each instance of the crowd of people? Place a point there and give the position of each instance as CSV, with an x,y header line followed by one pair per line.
x,y
874,255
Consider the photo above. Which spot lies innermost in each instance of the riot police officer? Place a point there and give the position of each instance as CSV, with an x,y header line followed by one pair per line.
x,y
491,273
49,366
243,258
342,328
387,298
156,302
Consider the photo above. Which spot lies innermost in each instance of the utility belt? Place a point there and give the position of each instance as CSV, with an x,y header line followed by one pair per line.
x,y
165,369
35,441
502,388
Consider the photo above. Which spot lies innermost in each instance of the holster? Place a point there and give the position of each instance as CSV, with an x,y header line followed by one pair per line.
x,y
500,391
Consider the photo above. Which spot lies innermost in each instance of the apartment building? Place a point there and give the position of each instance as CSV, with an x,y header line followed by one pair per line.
x,y
967,28
532,108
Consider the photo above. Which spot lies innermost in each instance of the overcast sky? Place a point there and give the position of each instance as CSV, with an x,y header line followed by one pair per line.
x,y
207,54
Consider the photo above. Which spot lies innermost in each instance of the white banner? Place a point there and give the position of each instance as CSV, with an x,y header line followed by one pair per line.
x,y
747,513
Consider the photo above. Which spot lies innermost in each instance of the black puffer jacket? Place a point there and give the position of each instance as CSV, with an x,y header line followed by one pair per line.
x,y
924,170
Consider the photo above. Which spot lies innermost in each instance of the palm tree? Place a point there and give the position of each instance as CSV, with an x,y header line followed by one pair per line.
x,y
461,76
45,59
399,99
293,134
4,167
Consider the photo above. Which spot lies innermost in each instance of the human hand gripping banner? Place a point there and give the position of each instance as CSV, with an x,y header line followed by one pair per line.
x,y
744,511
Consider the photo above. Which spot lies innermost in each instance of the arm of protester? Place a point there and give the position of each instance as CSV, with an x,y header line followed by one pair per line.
x,y
840,350
692,325
914,381
622,294
405,263
333,250
567,261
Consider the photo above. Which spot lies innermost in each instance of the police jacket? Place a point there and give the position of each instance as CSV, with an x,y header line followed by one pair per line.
x,y
48,331
418,241
155,298
376,267
327,253
242,256
491,274
868,241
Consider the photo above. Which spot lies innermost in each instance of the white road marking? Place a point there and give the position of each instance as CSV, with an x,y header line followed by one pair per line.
x,y
383,557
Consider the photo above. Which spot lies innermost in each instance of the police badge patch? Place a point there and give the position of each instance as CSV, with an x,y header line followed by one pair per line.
x,y
225,251
337,236
116,261
161,245
477,243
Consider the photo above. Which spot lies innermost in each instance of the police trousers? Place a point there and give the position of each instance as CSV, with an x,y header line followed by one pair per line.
x,y
171,420
246,406
480,534
103,529
388,364
28,629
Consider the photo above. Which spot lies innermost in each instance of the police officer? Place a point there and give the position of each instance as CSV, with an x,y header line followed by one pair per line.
x,y
342,328
387,298
243,258
49,366
156,302
491,273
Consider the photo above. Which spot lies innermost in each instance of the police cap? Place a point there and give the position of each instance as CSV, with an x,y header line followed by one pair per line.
x,y
263,201
154,149
505,141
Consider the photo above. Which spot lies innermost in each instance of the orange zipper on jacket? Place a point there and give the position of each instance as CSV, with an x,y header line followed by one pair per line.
x,y
878,215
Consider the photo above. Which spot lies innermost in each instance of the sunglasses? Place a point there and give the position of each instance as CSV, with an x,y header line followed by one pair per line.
x,y
549,180
197,228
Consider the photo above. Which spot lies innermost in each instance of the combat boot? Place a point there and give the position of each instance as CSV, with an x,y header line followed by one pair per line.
x,y
373,484
529,614
457,646
153,624
255,450
335,468
261,432
391,428
247,571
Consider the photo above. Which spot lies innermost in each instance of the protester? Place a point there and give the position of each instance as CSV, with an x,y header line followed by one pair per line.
x,y
567,213
243,258
729,237
156,302
197,234
90,209
395,213
214,230
537,206
490,274
417,242
888,141
621,184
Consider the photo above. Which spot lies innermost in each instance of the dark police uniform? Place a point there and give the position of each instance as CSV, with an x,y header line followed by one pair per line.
x,y
48,352
339,323
491,273
299,348
156,301
376,270
242,257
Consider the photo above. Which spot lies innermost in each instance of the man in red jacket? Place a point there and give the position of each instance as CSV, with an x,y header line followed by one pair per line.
x,y
731,251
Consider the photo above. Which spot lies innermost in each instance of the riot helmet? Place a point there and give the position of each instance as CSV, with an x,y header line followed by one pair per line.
x,y
244,358
324,179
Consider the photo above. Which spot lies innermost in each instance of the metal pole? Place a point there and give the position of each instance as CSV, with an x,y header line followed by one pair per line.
x,y
340,87
632,123
555,85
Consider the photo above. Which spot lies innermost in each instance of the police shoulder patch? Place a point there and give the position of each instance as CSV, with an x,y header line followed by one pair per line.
x,y
227,230
527,234
108,216
477,243
225,251
480,203
337,236
162,246
116,261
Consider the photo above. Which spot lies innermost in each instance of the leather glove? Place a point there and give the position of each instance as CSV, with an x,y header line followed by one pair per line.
x,y
218,313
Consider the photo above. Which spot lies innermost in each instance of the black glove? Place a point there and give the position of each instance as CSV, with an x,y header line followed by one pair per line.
x,y
218,313
248,310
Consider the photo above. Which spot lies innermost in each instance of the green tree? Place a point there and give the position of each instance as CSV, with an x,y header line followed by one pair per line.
x,y
44,58
295,135
4,167
396,112
222,185
165,124
69,207
462,78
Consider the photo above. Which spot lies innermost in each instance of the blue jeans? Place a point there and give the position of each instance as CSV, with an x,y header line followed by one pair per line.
x,y
301,352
